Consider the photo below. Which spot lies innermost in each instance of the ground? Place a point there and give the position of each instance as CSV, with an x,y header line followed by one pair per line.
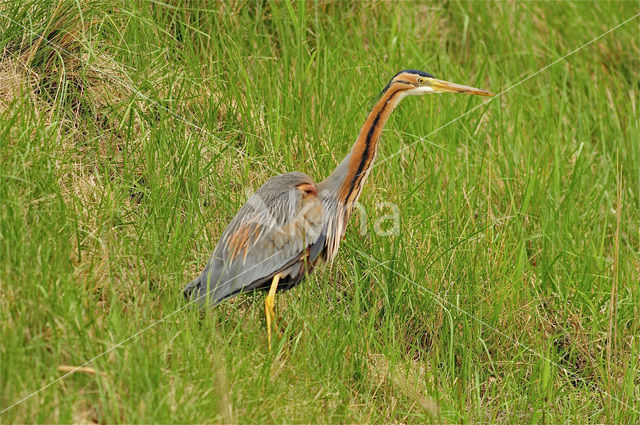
x,y
131,133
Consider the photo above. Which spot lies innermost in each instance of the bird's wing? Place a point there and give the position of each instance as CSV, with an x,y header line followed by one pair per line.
x,y
271,232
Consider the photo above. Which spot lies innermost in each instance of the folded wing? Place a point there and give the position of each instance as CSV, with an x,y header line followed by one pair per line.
x,y
272,233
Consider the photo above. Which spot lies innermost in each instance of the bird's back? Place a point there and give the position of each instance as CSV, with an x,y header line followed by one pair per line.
x,y
276,231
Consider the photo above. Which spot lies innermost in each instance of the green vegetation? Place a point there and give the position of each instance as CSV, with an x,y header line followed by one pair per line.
x,y
131,132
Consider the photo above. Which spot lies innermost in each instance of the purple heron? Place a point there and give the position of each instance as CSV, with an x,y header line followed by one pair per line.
x,y
292,223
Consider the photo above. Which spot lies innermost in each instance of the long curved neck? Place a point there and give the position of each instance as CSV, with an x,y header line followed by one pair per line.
x,y
347,179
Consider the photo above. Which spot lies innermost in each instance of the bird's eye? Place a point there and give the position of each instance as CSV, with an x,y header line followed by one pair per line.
x,y
420,80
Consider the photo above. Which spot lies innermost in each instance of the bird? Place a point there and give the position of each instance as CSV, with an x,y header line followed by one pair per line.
x,y
291,224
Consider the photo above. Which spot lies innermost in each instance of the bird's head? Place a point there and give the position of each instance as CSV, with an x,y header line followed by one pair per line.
x,y
414,82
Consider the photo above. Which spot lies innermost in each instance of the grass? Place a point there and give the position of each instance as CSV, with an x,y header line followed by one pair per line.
x,y
131,132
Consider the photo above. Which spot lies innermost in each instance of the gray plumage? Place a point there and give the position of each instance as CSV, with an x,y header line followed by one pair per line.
x,y
270,234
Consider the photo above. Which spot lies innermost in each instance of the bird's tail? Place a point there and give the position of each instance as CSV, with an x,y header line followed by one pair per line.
x,y
196,291
192,290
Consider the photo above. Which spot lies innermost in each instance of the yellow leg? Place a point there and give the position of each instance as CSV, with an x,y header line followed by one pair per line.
x,y
269,302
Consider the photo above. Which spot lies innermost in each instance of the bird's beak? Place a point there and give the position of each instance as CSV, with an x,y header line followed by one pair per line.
x,y
441,86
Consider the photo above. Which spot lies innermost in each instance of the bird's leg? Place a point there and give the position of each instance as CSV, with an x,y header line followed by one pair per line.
x,y
268,305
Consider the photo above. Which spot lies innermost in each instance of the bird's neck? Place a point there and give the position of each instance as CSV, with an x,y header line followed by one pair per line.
x,y
347,179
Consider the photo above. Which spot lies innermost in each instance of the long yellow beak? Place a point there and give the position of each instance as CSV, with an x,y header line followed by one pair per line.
x,y
447,87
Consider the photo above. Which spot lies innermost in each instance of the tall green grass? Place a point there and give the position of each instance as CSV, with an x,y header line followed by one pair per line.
x,y
130,134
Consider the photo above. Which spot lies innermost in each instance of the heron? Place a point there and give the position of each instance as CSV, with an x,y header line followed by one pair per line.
x,y
291,224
